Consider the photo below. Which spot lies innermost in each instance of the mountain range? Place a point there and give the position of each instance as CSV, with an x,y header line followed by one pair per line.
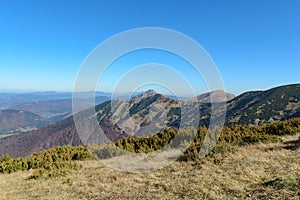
x,y
150,112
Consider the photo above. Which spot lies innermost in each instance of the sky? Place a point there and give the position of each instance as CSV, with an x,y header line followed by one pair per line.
x,y
255,44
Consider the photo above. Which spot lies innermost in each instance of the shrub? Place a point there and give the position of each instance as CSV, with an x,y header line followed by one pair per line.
x,y
47,163
105,151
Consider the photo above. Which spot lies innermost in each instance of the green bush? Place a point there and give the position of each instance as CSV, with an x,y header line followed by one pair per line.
x,y
55,161
147,144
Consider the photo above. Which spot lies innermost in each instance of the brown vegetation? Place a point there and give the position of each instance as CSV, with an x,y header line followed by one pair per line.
x,y
256,171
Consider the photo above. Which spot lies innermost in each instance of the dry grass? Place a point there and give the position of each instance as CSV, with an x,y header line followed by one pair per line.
x,y
260,171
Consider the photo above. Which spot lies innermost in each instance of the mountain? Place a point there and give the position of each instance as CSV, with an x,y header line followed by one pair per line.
x,y
144,113
19,121
214,96
150,112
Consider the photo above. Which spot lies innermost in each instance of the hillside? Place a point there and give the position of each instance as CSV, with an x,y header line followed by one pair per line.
x,y
265,106
58,134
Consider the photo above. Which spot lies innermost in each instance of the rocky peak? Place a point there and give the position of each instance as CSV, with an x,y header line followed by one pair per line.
x,y
145,94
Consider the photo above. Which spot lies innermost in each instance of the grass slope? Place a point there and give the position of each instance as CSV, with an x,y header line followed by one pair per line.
x,y
259,171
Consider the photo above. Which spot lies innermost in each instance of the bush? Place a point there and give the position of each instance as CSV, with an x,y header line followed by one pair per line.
x,y
105,151
47,163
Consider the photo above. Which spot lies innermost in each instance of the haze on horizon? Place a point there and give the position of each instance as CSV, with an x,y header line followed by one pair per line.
x,y
255,44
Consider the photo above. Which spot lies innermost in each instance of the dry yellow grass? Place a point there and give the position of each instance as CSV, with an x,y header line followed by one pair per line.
x,y
245,174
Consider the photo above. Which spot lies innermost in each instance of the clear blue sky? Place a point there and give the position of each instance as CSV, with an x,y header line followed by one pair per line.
x,y
254,43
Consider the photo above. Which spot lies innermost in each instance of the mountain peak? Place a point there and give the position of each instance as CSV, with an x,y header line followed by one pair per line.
x,y
150,91
145,94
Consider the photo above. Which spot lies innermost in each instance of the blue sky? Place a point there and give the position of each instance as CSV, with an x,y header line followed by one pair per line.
x,y
255,44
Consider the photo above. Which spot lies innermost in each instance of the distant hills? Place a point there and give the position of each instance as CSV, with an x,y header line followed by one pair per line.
x,y
47,109
149,112
29,111
214,96
19,121
9,100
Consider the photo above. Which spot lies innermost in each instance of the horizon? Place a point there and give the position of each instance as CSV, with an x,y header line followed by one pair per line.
x,y
255,45
134,92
